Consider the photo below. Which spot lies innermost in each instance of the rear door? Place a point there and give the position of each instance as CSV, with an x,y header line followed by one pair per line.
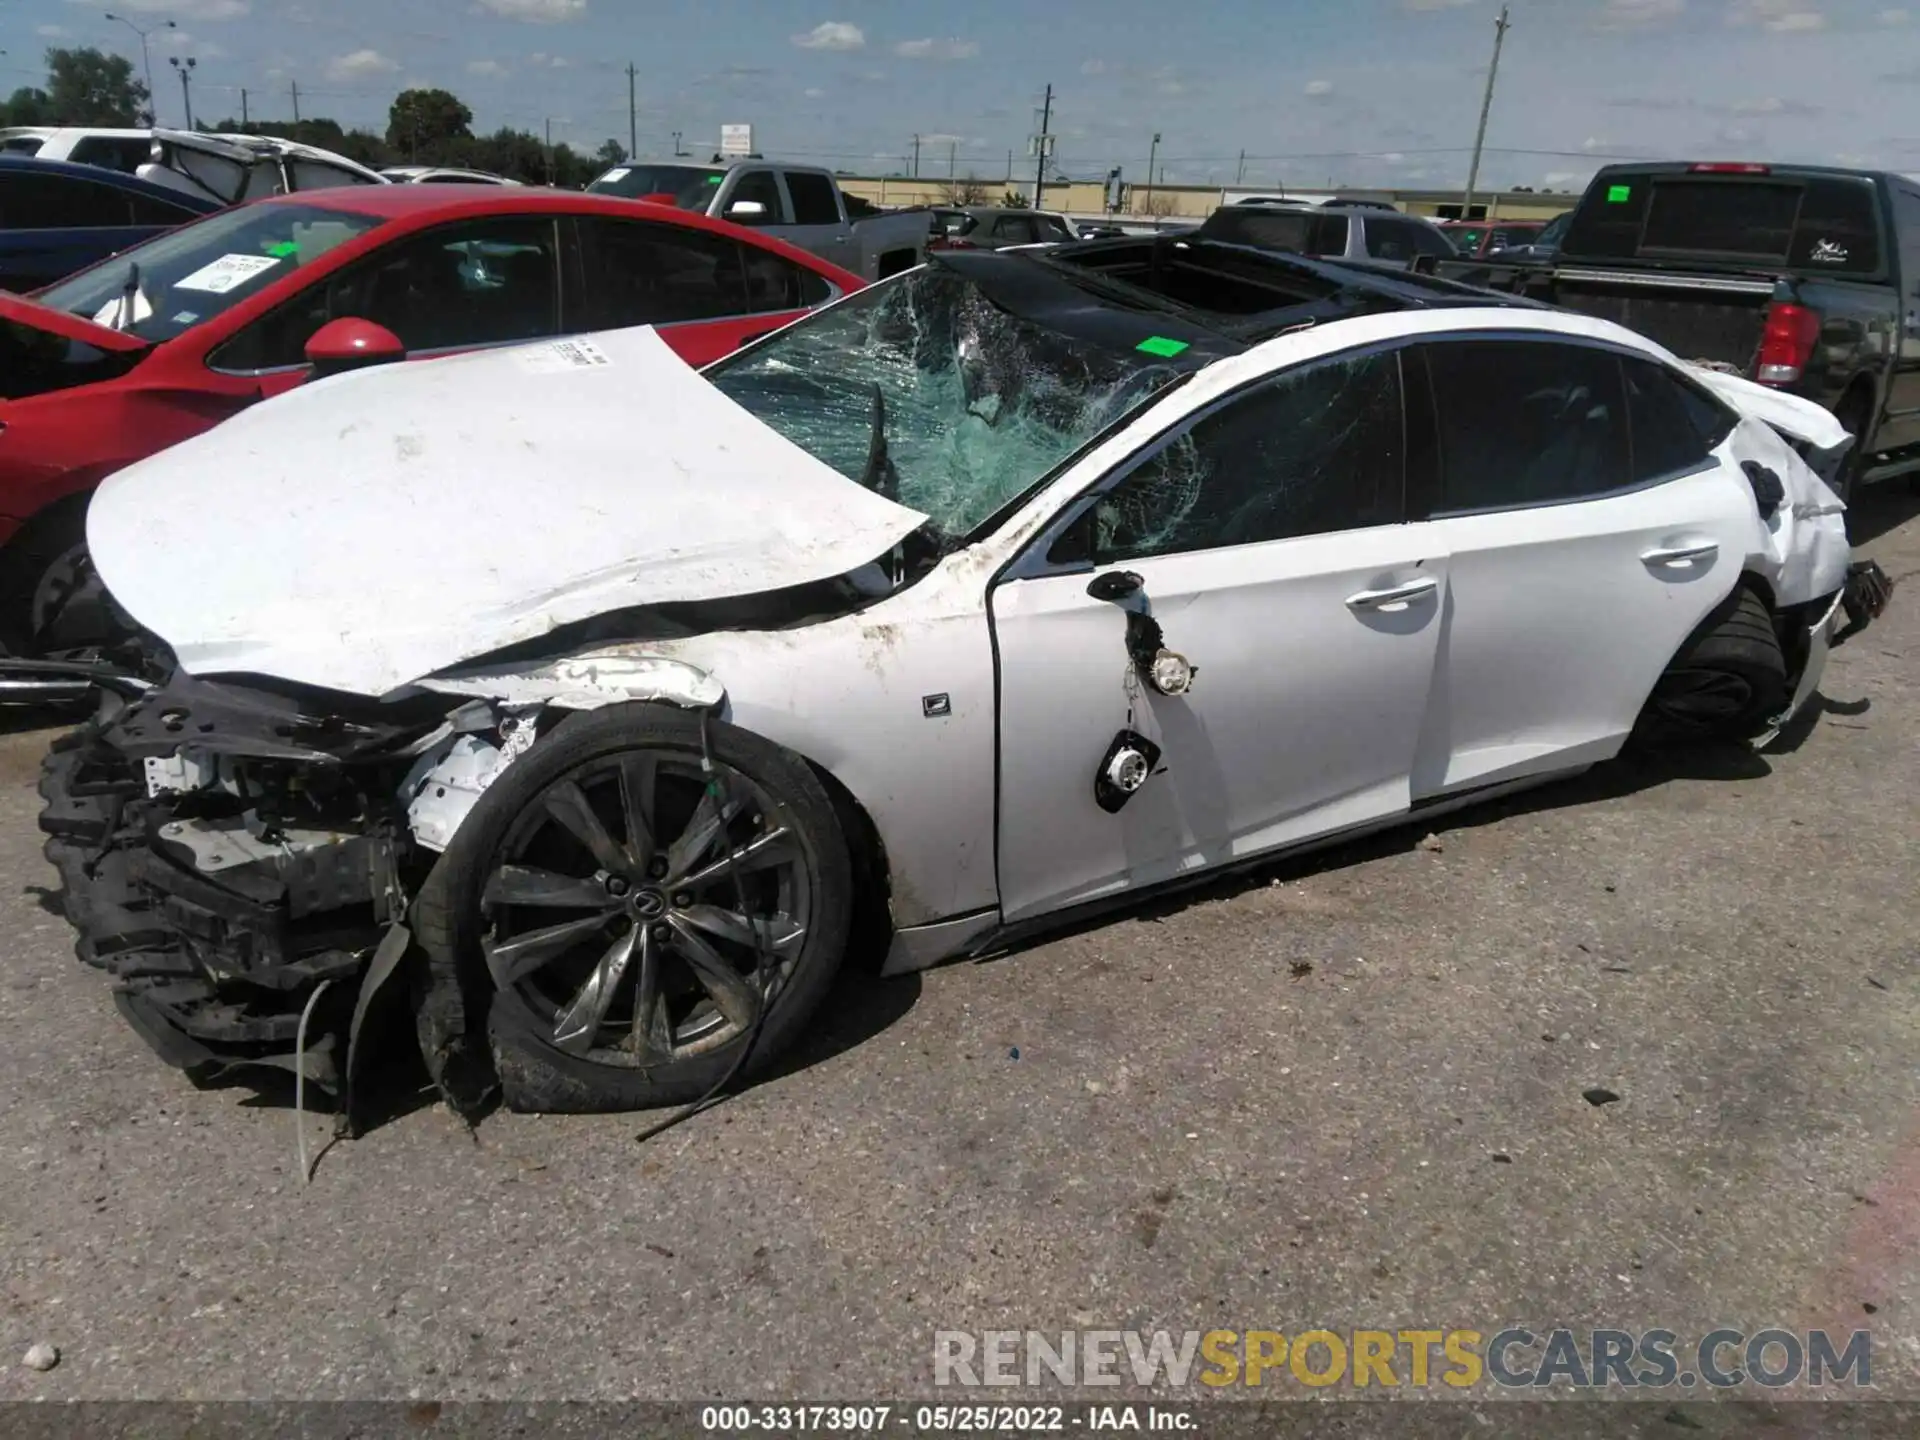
x,y
1266,536
709,294
818,225
1589,528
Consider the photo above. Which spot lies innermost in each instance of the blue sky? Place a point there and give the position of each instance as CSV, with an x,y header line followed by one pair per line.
x,y
1357,91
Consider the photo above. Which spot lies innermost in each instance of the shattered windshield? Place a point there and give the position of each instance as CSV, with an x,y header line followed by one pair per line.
x,y
187,276
925,391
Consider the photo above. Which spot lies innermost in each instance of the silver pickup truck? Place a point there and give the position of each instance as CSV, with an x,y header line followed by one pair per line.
x,y
800,204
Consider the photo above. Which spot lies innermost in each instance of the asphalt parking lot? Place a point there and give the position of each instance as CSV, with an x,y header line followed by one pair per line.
x,y
1345,1093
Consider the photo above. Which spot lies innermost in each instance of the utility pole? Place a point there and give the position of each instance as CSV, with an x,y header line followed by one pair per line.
x,y
1040,163
1152,151
916,157
633,117
549,150
676,143
1009,167
296,106
952,145
1486,105
1240,175
146,64
186,91
243,107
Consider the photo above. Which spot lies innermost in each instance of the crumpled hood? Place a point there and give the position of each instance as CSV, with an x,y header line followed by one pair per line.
x,y
364,531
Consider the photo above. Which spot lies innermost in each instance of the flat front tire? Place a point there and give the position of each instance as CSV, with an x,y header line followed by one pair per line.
x,y
636,894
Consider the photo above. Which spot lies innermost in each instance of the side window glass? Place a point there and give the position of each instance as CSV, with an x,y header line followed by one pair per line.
x,y
761,187
1667,416
659,275
1330,235
113,152
1527,422
1317,450
1056,229
1387,240
1428,241
775,284
149,210
813,199
1906,215
317,175
485,283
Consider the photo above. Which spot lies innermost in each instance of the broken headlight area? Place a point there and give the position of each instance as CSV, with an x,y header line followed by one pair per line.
x,y
231,851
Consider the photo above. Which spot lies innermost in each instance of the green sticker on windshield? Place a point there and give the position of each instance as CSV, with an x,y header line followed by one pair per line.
x,y
1619,194
281,249
1160,345
715,179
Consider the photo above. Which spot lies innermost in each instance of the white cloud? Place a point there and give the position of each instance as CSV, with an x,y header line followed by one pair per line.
x,y
1565,179
814,94
1892,17
832,35
948,49
1436,4
1638,14
486,69
549,62
537,12
1779,16
361,65
52,32
1093,67
1318,88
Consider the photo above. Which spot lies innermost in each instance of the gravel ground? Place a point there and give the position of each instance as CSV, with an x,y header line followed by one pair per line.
x,y
1345,1093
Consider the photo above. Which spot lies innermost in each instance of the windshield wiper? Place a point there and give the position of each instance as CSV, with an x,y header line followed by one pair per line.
x,y
880,476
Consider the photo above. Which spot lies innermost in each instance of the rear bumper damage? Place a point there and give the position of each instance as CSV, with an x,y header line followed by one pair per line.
x,y
1860,601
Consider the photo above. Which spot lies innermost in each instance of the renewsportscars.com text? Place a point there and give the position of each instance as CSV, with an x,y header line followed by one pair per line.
x,y
1457,1359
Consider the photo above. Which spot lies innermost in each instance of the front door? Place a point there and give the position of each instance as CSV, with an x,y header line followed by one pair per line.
x,y
1266,535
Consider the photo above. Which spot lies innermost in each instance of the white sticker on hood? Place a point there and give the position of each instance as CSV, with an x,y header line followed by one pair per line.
x,y
226,273
561,355
616,174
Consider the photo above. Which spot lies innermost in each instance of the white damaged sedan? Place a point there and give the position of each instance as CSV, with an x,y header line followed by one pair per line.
x,y
603,706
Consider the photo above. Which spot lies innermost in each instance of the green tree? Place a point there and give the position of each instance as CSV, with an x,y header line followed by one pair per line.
x,y
425,125
26,106
87,87
609,155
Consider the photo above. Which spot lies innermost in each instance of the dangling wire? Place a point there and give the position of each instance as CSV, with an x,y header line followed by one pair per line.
x,y
300,1081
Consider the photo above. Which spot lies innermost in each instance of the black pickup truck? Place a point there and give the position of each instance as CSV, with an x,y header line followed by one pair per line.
x,y
1799,277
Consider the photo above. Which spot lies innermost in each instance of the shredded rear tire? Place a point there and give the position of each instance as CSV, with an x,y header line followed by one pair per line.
x,y
1728,681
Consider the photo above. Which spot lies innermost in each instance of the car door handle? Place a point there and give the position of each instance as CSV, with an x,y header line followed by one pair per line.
x,y
1679,554
1393,595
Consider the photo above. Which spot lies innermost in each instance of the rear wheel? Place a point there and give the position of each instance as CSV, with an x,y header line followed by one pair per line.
x,y
1728,681
636,910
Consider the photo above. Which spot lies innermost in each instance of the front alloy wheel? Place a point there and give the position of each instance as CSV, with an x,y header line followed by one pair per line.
x,y
648,895
646,908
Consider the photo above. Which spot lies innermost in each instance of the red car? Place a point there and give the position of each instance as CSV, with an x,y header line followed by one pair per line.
x,y
168,338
